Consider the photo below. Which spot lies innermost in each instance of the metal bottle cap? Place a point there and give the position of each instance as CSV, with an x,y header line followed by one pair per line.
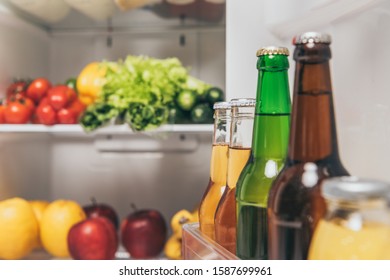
x,y
271,50
312,37
353,189
221,105
243,102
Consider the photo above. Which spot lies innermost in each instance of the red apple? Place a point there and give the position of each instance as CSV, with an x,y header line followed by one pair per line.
x,y
101,210
144,233
93,239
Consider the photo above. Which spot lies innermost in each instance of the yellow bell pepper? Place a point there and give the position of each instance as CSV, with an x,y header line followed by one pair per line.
x,y
90,82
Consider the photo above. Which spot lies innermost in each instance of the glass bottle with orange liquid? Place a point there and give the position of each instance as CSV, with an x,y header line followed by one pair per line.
x,y
218,169
243,110
356,225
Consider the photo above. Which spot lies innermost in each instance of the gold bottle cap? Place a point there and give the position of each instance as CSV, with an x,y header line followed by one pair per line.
x,y
243,102
272,51
312,37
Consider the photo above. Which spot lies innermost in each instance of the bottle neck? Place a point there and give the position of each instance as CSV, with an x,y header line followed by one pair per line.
x,y
273,107
222,119
313,130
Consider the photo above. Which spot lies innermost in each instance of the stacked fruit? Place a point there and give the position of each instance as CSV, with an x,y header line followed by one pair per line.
x,y
65,229
39,102
173,248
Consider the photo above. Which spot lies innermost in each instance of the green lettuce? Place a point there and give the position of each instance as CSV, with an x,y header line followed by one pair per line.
x,y
140,91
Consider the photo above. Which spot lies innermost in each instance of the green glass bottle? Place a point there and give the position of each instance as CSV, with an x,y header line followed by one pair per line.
x,y
269,148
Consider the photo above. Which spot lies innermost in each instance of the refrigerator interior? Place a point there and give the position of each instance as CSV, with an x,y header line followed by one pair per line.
x,y
166,170
51,164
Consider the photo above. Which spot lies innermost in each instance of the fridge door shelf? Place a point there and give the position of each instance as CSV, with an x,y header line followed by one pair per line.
x,y
197,246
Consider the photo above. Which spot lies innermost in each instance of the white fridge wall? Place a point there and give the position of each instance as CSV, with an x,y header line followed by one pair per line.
x,y
360,76
203,52
24,49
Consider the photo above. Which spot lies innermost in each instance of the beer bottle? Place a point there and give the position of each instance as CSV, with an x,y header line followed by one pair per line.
x,y
243,110
218,168
295,203
269,149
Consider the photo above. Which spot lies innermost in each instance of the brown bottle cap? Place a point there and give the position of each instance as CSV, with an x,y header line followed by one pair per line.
x,y
312,37
272,51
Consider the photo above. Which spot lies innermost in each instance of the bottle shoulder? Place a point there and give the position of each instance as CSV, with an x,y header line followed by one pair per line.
x,y
298,181
256,178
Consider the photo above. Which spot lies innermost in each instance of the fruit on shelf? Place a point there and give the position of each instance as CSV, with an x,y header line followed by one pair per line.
x,y
46,114
19,228
66,116
172,248
17,88
39,206
93,239
179,219
56,222
143,233
38,89
60,96
96,209
17,112
90,82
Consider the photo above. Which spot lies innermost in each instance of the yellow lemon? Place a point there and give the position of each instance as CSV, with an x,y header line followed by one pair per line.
x,y
56,222
179,219
18,228
172,248
39,207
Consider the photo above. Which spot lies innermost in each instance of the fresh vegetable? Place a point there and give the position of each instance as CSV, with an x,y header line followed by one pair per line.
x,y
214,94
90,82
141,91
18,87
38,89
60,96
46,114
202,113
66,116
2,117
186,100
17,112
77,107
72,83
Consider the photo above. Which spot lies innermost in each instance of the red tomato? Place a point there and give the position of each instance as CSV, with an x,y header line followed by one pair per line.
x,y
78,107
44,101
60,96
57,99
18,87
66,116
2,109
46,115
17,112
38,89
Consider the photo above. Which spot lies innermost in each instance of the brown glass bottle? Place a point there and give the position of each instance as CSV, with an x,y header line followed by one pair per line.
x,y
295,203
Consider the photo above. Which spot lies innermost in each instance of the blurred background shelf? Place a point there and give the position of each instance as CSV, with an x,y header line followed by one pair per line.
x,y
114,129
